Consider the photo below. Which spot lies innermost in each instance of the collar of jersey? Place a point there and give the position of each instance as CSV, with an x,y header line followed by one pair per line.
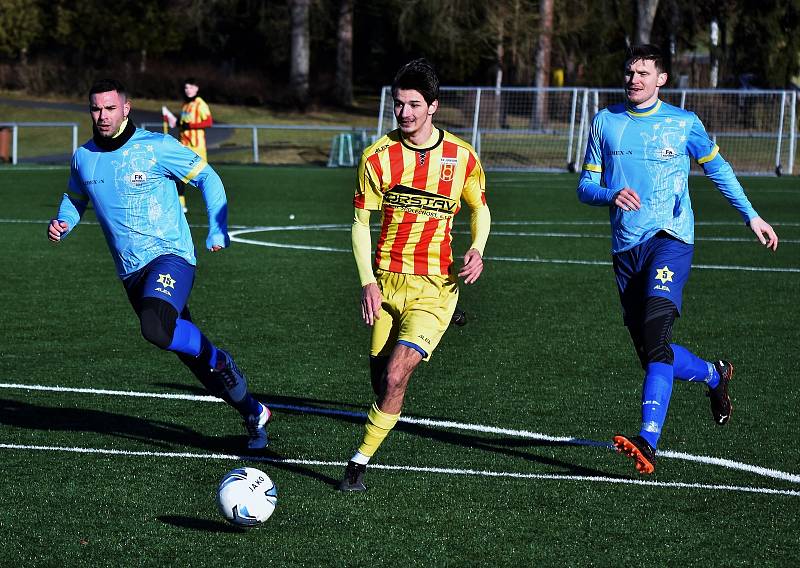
x,y
415,149
111,144
644,112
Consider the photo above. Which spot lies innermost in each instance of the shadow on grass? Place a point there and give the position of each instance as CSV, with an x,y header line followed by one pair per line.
x,y
162,435
198,390
167,436
196,524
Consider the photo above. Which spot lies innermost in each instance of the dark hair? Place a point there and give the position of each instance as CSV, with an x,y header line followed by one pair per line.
x,y
420,76
646,52
106,85
191,81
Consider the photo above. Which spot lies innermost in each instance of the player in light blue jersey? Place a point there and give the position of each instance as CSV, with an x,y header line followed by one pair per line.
x,y
637,164
129,175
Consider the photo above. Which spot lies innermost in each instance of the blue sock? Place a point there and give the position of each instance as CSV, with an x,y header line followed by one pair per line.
x,y
656,393
248,406
189,340
690,367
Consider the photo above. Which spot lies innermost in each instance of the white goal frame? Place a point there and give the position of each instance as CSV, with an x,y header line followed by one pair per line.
x,y
530,129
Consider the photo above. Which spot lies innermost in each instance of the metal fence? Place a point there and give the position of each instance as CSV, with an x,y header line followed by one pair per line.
x,y
512,128
283,143
529,129
11,129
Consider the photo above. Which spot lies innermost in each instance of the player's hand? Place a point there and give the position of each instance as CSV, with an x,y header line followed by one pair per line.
x,y
627,199
55,229
370,303
473,266
765,233
215,248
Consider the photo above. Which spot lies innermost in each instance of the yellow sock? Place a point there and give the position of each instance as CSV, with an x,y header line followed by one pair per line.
x,y
182,199
378,426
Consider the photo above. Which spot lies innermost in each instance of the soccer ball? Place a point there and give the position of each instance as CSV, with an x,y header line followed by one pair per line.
x,y
246,496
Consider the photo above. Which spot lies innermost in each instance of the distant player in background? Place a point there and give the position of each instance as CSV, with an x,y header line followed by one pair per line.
x,y
416,176
195,118
637,164
129,175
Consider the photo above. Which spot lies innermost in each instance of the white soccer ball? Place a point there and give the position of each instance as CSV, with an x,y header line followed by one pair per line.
x,y
246,496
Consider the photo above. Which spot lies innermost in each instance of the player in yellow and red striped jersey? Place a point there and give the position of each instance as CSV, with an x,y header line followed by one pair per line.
x,y
195,118
416,176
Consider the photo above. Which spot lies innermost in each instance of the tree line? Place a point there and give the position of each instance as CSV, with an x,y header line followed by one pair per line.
x,y
299,51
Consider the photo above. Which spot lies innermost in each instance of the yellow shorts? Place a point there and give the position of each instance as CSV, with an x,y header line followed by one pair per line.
x,y
416,308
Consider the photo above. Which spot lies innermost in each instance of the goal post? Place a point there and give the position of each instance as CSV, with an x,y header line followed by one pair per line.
x,y
533,129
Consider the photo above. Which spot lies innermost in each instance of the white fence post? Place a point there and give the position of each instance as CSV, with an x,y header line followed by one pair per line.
x,y
792,133
255,144
475,117
14,134
379,132
571,137
780,134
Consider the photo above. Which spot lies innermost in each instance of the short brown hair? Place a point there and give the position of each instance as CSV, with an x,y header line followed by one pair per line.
x,y
420,76
646,52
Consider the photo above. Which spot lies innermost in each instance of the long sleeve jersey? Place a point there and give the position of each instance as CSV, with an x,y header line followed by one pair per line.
x,y
649,151
418,192
133,193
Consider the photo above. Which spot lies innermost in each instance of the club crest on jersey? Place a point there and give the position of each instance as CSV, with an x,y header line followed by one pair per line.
x,y
138,178
448,169
166,281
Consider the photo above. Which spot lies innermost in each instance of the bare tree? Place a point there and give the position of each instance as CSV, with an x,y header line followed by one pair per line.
x,y
543,60
301,51
343,90
645,15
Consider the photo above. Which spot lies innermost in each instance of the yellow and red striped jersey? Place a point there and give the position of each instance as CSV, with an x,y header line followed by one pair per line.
x,y
418,191
195,116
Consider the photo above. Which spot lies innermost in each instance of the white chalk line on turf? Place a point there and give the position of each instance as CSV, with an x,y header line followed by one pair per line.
x,y
234,234
447,424
411,468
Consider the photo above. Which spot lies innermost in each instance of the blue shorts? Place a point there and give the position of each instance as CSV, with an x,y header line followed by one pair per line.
x,y
168,277
659,266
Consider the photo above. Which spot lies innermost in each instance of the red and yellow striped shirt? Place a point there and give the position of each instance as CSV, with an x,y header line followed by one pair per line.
x,y
418,191
196,116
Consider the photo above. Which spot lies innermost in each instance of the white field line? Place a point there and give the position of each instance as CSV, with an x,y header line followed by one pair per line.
x,y
411,468
445,424
234,234
236,230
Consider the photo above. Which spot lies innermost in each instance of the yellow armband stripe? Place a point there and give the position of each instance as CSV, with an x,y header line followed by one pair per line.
x,y
593,168
710,157
195,170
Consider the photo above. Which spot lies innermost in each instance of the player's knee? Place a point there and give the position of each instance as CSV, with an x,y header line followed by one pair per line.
x,y
153,329
157,322
396,380
638,344
661,352
641,353
657,331
377,367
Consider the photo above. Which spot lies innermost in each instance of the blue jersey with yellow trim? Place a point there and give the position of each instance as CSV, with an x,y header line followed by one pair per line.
x,y
133,193
648,150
